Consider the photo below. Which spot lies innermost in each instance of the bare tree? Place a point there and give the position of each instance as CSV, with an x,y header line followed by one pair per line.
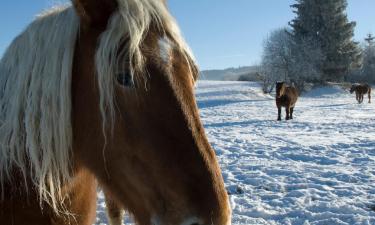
x,y
284,59
276,59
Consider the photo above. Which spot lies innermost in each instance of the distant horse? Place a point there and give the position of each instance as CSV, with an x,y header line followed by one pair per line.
x,y
360,90
286,96
103,92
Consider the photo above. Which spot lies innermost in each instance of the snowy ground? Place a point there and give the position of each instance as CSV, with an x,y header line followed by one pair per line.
x,y
317,169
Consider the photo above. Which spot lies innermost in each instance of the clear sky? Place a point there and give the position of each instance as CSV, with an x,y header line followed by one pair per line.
x,y
222,33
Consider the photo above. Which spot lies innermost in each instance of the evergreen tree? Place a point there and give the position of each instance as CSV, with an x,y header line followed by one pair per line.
x,y
370,39
368,69
326,23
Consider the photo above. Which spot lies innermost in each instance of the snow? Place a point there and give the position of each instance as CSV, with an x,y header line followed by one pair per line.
x,y
318,169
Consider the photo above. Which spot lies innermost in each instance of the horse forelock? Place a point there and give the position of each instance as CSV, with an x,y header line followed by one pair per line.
x,y
280,88
132,22
35,86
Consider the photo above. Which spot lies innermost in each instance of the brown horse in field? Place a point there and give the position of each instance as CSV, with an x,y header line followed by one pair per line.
x,y
360,90
286,96
102,93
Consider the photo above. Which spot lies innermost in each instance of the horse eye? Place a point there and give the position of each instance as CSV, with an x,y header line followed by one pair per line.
x,y
125,79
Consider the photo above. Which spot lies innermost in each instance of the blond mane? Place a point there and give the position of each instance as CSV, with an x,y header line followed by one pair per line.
x,y
35,88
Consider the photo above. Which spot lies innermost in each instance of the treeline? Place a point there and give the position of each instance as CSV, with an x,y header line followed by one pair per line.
x,y
317,47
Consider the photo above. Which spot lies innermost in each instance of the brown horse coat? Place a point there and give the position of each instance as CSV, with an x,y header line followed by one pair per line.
x,y
286,96
360,90
143,143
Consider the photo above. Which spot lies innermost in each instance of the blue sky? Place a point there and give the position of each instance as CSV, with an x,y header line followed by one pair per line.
x,y
222,33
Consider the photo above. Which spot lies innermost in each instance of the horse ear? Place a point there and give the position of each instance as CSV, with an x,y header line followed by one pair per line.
x,y
95,13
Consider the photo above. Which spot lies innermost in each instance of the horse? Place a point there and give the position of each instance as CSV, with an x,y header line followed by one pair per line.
x,y
360,90
286,96
101,93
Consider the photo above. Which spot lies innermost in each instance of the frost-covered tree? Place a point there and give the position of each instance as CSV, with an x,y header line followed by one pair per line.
x,y
276,58
284,59
307,61
370,39
326,24
368,68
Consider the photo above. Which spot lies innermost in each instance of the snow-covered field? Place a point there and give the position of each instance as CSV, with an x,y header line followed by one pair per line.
x,y
316,169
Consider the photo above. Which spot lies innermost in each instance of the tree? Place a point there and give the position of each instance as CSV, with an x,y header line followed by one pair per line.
x,y
370,39
276,59
368,68
326,24
284,59
307,60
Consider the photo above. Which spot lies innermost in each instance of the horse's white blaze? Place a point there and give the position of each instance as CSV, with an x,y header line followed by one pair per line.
x,y
165,49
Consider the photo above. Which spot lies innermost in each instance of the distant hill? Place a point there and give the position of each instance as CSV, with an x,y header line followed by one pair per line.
x,y
230,74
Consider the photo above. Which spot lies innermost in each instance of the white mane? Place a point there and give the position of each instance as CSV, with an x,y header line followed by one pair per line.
x,y
35,87
35,102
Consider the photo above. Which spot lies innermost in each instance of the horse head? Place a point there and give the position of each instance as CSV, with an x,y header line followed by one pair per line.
x,y
280,89
136,124
353,88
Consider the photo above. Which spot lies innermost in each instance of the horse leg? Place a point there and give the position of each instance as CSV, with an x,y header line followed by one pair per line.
x,y
369,96
361,96
287,111
291,112
278,113
115,213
